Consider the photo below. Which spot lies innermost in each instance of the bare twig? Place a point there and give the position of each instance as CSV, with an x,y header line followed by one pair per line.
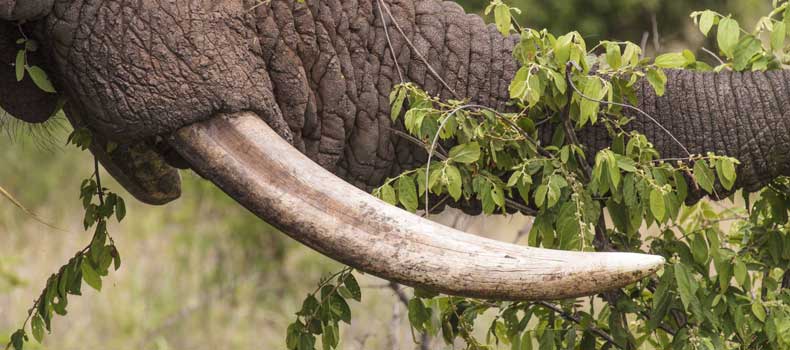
x,y
570,132
709,52
656,35
414,48
643,44
570,317
28,212
389,42
441,154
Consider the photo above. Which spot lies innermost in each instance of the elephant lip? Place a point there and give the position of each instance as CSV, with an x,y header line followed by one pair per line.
x,y
249,161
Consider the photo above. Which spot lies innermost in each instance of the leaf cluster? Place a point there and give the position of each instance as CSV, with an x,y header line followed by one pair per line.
x,y
89,265
322,311
724,288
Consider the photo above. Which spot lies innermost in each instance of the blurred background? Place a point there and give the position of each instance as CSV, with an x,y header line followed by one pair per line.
x,y
202,273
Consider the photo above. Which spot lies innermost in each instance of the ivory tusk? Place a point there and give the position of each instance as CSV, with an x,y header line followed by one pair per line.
x,y
250,162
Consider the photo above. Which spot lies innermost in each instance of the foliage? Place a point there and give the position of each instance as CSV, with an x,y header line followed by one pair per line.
x,y
322,317
722,289
90,264
623,19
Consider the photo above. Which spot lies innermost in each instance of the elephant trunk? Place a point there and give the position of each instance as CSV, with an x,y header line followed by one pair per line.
x,y
741,115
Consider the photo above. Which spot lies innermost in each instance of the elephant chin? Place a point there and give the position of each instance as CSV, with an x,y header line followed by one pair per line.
x,y
242,155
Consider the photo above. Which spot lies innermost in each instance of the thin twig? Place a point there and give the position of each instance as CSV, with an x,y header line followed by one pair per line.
x,y
510,123
414,48
638,110
656,35
709,52
570,131
399,293
389,42
99,189
442,155
570,317
430,155
643,44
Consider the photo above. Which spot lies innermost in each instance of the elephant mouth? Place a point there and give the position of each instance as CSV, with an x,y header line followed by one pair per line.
x,y
248,160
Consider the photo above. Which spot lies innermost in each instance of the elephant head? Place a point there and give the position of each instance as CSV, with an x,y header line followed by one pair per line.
x,y
284,105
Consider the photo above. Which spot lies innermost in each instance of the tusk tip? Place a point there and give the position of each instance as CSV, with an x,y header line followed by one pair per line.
x,y
641,264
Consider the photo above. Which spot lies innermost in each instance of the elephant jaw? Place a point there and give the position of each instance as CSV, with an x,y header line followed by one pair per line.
x,y
242,155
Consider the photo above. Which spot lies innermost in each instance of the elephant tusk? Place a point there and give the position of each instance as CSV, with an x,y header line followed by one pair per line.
x,y
250,162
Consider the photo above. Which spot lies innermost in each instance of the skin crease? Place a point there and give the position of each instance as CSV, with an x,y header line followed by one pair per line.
x,y
320,74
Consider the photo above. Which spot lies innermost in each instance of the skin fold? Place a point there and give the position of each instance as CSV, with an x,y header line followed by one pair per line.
x,y
320,73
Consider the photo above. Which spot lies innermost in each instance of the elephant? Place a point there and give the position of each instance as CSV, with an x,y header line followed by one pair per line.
x,y
283,104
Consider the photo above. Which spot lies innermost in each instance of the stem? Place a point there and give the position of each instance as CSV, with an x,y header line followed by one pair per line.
x,y
599,332
637,109
569,129
99,190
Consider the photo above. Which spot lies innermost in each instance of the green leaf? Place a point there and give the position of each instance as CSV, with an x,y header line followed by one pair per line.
x,y
706,21
498,196
687,287
725,169
778,36
723,267
658,80
740,272
418,314
568,228
18,339
309,306
699,249
554,190
20,65
589,106
502,18
454,182
340,308
120,209
116,257
387,194
661,300
407,193
292,335
397,97
657,206
746,49
329,337
37,326
518,86
728,35
671,60
759,311
90,275
306,342
613,56
353,287
466,153
631,54
40,79
703,175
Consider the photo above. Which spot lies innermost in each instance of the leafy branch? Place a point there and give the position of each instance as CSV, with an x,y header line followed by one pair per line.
x,y
88,265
